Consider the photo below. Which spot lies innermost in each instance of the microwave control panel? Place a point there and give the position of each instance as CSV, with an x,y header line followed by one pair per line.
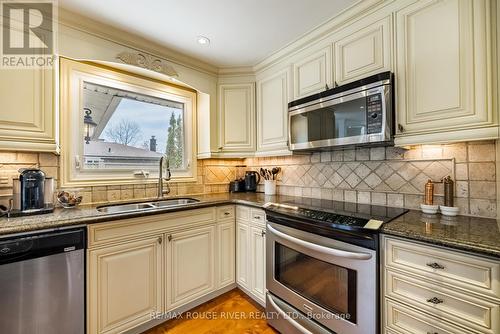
x,y
374,114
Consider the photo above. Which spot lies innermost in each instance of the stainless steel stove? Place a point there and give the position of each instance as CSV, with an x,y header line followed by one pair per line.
x,y
322,266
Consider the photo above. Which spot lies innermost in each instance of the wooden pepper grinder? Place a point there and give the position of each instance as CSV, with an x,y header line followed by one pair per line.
x,y
448,191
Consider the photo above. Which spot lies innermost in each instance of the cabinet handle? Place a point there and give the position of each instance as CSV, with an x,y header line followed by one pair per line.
x,y
401,128
256,217
227,213
435,300
435,265
169,238
160,240
263,233
432,333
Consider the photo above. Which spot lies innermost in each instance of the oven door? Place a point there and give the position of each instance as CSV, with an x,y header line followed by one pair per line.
x,y
360,117
332,282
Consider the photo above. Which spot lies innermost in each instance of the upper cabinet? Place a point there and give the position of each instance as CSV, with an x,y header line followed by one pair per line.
x,y
312,73
273,95
236,114
27,115
363,48
443,72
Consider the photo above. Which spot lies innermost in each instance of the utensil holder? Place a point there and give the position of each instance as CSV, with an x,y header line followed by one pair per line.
x,y
270,187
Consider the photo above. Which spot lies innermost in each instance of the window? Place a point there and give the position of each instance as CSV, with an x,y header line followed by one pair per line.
x,y
117,126
131,131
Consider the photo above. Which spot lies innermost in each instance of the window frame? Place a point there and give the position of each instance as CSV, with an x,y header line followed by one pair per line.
x,y
73,74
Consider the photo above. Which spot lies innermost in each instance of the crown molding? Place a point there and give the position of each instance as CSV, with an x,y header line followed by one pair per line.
x,y
127,39
87,25
355,11
236,71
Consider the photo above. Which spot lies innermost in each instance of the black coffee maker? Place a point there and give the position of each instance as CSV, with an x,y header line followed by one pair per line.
x,y
29,193
252,179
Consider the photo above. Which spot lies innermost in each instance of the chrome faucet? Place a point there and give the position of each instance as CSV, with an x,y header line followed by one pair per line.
x,y
162,192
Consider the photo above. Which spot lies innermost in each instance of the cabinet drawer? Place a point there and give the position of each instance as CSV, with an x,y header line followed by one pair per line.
x,y
448,304
225,212
109,232
457,270
406,320
243,212
258,216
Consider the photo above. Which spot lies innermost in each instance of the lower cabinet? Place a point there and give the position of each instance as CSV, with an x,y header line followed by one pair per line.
x,y
258,262
125,285
190,265
251,252
242,254
226,247
429,289
154,264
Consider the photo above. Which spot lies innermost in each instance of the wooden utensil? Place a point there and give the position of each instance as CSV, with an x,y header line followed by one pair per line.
x,y
275,172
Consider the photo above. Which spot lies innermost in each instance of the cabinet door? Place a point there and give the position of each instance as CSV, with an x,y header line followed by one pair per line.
x,y
444,71
312,73
258,262
272,113
190,265
27,116
242,254
125,285
226,257
363,49
237,117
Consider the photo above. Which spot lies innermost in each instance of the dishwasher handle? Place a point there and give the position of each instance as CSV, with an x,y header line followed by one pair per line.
x,y
41,244
11,250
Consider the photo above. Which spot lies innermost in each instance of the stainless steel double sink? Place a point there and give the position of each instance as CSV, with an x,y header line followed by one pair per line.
x,y
159,204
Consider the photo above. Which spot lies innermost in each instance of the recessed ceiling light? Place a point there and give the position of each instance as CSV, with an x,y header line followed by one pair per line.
x,y
202,40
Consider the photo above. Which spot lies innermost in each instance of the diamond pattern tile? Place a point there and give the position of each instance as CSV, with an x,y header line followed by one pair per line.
x,y
400,176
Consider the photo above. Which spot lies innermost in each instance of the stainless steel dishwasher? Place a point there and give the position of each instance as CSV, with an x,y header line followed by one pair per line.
x,y
42,283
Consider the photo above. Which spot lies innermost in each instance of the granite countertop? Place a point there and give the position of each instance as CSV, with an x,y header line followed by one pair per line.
x,y
473,234
479,235
87,214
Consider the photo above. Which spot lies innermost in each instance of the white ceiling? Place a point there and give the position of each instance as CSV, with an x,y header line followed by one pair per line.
x,y
242,32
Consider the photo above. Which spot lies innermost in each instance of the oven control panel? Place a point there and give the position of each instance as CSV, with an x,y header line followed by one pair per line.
x,y
374,114
333,218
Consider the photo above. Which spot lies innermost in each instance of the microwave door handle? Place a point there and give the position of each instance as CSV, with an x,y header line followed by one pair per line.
x,y
290,320
319,248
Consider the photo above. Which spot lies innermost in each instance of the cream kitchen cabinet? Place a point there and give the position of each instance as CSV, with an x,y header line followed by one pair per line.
x,y
226,242
27,115
444,72
226,248
273,94
363,48
432,289
190,265
242,254
157,263
258,262
125,285
236,116
313,72
250,246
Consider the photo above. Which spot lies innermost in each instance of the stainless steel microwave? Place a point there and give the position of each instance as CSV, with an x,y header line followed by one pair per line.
x,y
357,113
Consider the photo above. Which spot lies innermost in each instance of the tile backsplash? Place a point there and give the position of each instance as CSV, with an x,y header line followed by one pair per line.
x,y
213,177
380,175
392,176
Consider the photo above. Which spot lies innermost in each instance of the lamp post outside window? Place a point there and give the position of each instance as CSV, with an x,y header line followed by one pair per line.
x,y
89,125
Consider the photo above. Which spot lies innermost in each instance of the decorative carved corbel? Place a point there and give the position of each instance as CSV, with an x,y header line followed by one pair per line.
x,y
147,61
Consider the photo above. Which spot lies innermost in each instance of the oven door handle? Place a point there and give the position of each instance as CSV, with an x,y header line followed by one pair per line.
x,y
319,248
290,320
